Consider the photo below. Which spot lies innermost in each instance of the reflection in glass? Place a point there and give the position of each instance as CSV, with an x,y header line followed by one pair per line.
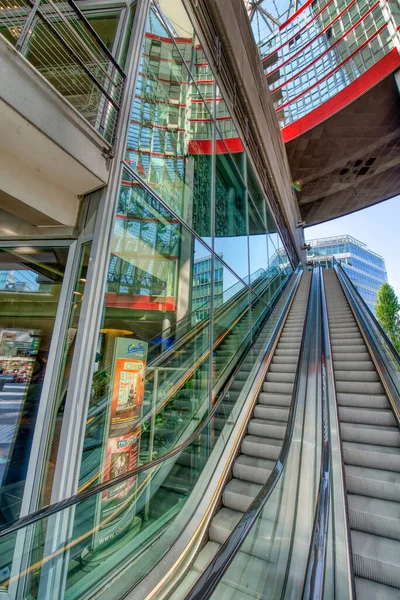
x,y
30,284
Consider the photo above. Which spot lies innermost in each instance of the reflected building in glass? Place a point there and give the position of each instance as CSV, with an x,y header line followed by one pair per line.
x,y
365,268
138,265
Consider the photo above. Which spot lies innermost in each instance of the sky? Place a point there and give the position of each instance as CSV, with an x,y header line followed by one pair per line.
x,y
378,227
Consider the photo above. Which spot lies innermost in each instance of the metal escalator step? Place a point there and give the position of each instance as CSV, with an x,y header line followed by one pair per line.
x,y
350,356
272,399
238,494
348,349
282,367
268,429
288,346
365,433
252,469
368,416
372,515
282,377
376,483
371,456
359,387
376,558
285,360
362,365
277,387
363,400
226,520
271,413
370,590
356,376
261,447
287,352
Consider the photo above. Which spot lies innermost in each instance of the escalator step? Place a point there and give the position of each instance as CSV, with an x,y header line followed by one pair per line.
x,y
356,376
359,387
226,520
252,469
370,590
238,494
363,365
363,400
261,447
368,416
363,433
371,515
271,413
282,377
376,558
268,429
277,387
376,483
270,399
371,456
350,356
282,368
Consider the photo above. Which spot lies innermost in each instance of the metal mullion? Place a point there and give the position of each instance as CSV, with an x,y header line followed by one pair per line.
x,y
44,417
212,226
66,476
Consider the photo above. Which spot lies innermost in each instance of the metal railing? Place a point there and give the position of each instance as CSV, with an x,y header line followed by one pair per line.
x,y
57,39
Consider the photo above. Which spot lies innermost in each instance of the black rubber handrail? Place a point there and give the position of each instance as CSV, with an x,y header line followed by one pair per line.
x,y
53,509
212,575
315,573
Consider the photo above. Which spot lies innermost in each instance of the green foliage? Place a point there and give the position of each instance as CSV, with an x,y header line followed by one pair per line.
x,y
388,313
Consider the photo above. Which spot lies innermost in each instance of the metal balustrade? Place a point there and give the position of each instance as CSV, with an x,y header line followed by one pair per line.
x,y
56,38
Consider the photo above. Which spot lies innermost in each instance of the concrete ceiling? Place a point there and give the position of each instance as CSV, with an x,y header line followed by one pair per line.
x,y
351,160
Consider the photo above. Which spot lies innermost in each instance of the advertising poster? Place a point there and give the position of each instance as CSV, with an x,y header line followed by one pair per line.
x,y
121,445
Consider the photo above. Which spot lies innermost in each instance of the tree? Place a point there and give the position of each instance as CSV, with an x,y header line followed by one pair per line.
x,y
388,313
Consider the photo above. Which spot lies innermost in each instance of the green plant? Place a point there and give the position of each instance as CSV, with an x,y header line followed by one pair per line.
x,y
388,313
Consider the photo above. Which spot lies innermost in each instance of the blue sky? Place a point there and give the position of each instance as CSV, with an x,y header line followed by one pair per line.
x,y
377,226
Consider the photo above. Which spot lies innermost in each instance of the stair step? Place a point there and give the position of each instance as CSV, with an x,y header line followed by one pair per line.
x,y
282,377
370,434
372,515
376,558
261,447
226,520
238,495
371,590
252,469
375,483
368,401
268,429
271,399
356,376
364,365
359,387
368,416
282,368
278,387
371,456
271,413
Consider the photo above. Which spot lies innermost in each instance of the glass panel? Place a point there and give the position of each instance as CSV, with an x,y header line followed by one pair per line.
x,y
158,275
170,140
30,282
69,346
230,216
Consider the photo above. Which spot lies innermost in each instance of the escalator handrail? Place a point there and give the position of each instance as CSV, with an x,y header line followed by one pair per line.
x,y
371,315
364,317
196,330
53,509
313,588
212,575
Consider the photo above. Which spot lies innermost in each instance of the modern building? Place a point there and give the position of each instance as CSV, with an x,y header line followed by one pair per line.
x,y
333,71
201,292
365,268
142,172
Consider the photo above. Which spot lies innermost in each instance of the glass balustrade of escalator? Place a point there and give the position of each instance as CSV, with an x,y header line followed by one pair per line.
x,y
82,547
178,372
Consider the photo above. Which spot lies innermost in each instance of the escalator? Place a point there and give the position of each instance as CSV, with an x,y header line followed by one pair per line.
x,y
260,446
287,487
371,453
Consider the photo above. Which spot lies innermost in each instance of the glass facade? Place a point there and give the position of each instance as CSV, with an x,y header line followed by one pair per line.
x,y
365,268
144,319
